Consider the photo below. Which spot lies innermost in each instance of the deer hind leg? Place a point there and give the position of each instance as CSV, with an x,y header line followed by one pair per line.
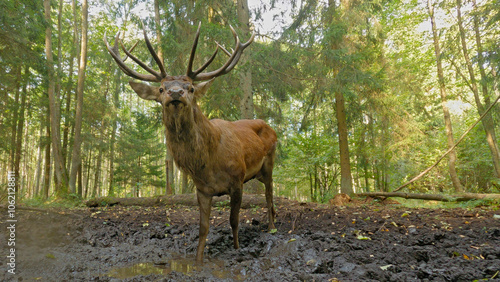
x,y
234,217
267,179
205,204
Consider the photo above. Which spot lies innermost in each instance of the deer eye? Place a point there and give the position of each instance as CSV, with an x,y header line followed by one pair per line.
x,y
191,89
161,90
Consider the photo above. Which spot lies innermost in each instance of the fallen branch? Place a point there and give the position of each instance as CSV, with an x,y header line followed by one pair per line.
x,y
248,201
433,197
450,149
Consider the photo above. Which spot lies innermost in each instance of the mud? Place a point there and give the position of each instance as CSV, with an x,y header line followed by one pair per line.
x,y
358,242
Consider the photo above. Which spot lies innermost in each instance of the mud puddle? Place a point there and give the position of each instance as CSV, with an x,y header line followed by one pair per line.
x,y
185,265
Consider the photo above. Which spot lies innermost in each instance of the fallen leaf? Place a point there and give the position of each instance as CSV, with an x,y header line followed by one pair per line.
x,y
50,256
385,267
361,237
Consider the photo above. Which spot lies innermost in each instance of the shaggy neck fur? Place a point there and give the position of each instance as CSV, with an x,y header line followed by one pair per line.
x,y
191,137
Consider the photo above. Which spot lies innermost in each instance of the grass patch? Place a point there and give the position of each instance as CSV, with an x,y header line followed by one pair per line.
x,y
64,203
415,203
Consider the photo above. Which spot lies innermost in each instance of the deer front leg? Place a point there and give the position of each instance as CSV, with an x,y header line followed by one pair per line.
x,y
205,203
234,218
270,205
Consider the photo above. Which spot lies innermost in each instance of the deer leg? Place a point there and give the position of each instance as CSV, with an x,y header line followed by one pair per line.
x,y
270,205
267,179
205,203
234,218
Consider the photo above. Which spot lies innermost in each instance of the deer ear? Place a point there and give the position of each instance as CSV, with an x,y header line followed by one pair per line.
x,y
146,92
202,87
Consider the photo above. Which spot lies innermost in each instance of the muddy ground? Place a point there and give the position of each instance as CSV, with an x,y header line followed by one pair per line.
x,y
361,241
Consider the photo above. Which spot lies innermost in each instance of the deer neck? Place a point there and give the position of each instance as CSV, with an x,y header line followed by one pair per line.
x,y
192,138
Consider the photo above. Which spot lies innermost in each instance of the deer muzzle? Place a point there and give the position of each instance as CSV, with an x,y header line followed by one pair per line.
x,y
175,94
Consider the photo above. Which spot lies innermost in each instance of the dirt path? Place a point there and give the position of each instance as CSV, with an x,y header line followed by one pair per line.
x,y
360,242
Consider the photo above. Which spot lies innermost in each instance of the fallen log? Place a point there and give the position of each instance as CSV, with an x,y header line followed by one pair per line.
x,y
248,201
433,197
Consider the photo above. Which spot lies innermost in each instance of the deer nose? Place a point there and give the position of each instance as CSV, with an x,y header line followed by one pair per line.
x,y
175,93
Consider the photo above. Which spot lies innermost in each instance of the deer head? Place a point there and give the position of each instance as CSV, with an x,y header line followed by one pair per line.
x,y
175,93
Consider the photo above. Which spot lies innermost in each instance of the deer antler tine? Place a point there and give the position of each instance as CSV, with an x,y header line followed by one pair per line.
x,y
163,73
223,49
190,72
206,64
249,41
142,64
227,67
128,71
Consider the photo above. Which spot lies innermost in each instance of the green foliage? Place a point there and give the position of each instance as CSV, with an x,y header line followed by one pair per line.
x,y
140,156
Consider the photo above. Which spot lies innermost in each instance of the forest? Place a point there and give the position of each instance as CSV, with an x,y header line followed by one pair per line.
x,y
363,95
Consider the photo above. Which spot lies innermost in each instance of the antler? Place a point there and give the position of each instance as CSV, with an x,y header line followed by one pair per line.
x,y
227,67
154,76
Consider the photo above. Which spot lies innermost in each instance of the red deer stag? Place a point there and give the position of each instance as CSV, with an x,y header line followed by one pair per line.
x,y
219,155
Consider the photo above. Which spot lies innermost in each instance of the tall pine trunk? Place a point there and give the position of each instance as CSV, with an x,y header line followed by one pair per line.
x,y
67,123
76,160
446,112
15,118
46,167
59,169
345,164
20,126
246,103
169,160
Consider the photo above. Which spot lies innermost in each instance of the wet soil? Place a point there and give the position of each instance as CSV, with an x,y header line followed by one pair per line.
x,y
362,241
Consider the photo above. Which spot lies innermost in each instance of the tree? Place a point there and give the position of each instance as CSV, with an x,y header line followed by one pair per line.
x,y
446,112
76,161
246,103
487,122
138,164
169,160
59,168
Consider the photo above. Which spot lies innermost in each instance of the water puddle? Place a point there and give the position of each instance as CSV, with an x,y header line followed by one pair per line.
x,y
212,267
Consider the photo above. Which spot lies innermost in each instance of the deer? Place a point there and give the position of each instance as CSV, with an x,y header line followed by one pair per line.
x,y
218,155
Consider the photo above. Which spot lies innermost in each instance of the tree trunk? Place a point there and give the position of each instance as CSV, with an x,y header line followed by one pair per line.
x,y
15,118
97,174
487,122
67,124
185,183
87,188
246,104
38,173
169,160
46,171
345,164
111,180
446,113
76,156
59,169
20,126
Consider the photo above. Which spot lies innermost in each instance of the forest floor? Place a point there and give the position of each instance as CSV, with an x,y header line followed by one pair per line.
x,y
363,240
